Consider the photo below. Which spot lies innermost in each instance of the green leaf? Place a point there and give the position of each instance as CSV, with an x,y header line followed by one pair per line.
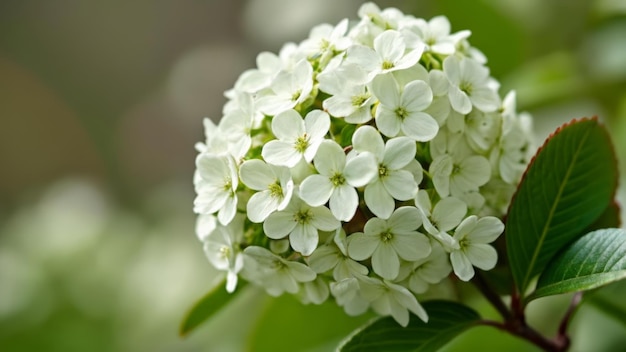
x,y
447,319
287,325
566,188
594,260
611,218
207,306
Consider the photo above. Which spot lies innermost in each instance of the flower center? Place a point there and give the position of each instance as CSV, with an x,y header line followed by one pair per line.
x,y
401,112
225,252
463,244
324,44
337,179
456,169
275,189
383,171
296,95
228,185
386,236
302,143
303,217
388,65
278,265
359,100
466,87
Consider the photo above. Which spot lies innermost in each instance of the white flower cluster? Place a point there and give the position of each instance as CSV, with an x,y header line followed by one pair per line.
x,y
367,162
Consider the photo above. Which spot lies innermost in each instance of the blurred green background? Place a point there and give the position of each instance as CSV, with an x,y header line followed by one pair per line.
x,y
101,104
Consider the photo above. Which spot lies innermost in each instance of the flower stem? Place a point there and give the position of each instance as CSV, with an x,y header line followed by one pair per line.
x,y
492,296
514,319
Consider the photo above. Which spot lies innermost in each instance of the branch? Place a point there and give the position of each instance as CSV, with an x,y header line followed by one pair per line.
x,y
492,296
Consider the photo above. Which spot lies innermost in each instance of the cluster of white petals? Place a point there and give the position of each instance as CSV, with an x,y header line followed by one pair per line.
x,y
367,164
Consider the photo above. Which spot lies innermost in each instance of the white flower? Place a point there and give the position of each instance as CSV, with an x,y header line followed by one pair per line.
x,y
278,275
302,223
387,298
435,34
430,270
482,130
334,256
315,291
457,177
445,216
205,224
386,241
289,89
388,54
216,184
347,293
237,124
324,39
392,181
256,79
469,84
350,97
473,236
297,138
221,247
213,143
337,179
387,18
273,183
403,110
515,150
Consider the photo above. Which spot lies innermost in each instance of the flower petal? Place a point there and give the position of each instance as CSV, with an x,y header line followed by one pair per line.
x,y
405,219
323,219
330,158
420,126
323,259
385,89
279,224
385,262
411,246
400,184
260,206
304,239
367,139
388,121
459,100
378,200
317,123
463,268
315,190
399,152
256,174
343,202
361,169
300,271
281,153
362,246
448,213
485,98
288,125
482,255
417,96
487,230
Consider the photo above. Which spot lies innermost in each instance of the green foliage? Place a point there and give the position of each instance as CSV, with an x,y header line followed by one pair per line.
x,y
314,327
567,187
207,306
610,301
594,260
446,321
